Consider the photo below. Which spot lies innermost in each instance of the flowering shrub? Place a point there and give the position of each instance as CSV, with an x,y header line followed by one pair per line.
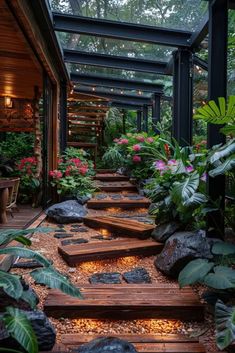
x,y
73,175
30,183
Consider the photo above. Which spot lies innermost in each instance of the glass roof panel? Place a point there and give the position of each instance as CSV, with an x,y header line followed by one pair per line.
x,y
176,14
116,73
118,47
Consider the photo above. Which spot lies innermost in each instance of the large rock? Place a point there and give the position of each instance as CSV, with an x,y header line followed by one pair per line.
x,y
67,212
106,278
42,327
107,345
163,231
138,275
181,248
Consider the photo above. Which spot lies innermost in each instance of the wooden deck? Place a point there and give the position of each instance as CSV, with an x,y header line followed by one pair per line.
x,y
21,219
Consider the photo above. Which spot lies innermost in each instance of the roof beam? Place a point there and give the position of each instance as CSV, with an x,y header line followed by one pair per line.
x,y
125,98
99,80
200,62
121,30
200,34
115,62
127,106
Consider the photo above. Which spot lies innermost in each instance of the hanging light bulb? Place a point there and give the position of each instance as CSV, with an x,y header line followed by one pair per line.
x,y
139,93
122,92
111,89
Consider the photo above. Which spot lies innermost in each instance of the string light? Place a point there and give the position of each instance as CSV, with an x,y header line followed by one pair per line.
x,y
122,92
93,89
139,93
111,89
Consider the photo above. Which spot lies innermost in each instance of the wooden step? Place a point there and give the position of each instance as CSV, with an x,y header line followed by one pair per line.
x,y
108,249
126,301
124,202
121,226
143,343
110,177
114,186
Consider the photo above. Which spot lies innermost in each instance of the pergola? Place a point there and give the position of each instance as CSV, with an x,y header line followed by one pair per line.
x,y
176,47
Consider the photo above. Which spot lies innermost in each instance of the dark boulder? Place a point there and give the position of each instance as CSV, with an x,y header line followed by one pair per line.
x,y
181,248
138,275
83,199
163,231
67,212
107,345
42,327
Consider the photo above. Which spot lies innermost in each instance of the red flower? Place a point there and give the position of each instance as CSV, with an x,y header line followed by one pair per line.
x,y
136,159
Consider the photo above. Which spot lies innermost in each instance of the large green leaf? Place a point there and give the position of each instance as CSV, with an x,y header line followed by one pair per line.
x,y
225,324
26,253
196,199
30,298
226,166
228,130
224,151
217,113
222,248
222,278
20,328
54,279
11,284
19,234
181,192
194,272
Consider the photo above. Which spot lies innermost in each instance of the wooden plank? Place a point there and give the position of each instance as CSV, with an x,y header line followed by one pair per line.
x,y
77,253
120,226
124,203
143,343
111,177
127,302
116,186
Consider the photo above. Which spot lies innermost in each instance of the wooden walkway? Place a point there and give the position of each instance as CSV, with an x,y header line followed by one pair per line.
x,y
21,219
143,343
75,254
126,302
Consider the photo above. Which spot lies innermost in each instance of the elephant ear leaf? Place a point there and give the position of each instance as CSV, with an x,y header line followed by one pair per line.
x,y
25,253
11,284
194,272
54,279
20,329
225,324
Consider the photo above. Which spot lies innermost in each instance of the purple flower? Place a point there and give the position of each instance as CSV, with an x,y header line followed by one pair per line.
x,y
189,169
203,177
160,165
172,162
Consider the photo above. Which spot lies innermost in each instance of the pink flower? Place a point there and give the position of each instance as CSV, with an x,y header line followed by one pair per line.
x,y
203,177
149,139
140,138
160,165
172,162
136,159
136,148
124,141
189,169
56,174
83,170
116,140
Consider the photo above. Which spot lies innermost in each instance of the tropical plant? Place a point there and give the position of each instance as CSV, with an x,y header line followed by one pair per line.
x,y
225,324
112,157
73,176
14,319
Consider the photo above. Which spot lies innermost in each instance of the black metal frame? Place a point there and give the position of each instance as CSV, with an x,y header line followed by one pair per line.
x,y
115,62
217,87
156,111
121,30
99,80
63,116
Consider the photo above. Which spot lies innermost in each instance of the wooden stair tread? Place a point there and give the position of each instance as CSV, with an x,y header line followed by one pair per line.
x,y
116,186
110,177
143,343
74,254
121,226
121,301
124,202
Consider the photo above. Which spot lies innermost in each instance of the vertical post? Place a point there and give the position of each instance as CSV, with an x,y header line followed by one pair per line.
x,y
124,121
139,122
183,100
217,87
156,112
145,118
63,116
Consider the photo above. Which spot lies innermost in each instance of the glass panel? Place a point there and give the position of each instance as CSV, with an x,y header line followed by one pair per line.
x,y
178,14
115,47
231,53
93,89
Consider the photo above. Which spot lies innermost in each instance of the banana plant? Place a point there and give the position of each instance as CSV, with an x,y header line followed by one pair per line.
x,y
15,322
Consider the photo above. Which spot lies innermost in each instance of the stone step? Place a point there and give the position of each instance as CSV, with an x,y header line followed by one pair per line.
x,y
144,343
108,249
126,302
120,226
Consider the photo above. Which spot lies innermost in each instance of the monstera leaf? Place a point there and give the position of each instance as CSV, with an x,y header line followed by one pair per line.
x,y
182,191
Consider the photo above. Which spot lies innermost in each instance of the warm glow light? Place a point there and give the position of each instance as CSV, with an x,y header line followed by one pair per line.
x,y
8,102
93,89
139,93
128,261
105,232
